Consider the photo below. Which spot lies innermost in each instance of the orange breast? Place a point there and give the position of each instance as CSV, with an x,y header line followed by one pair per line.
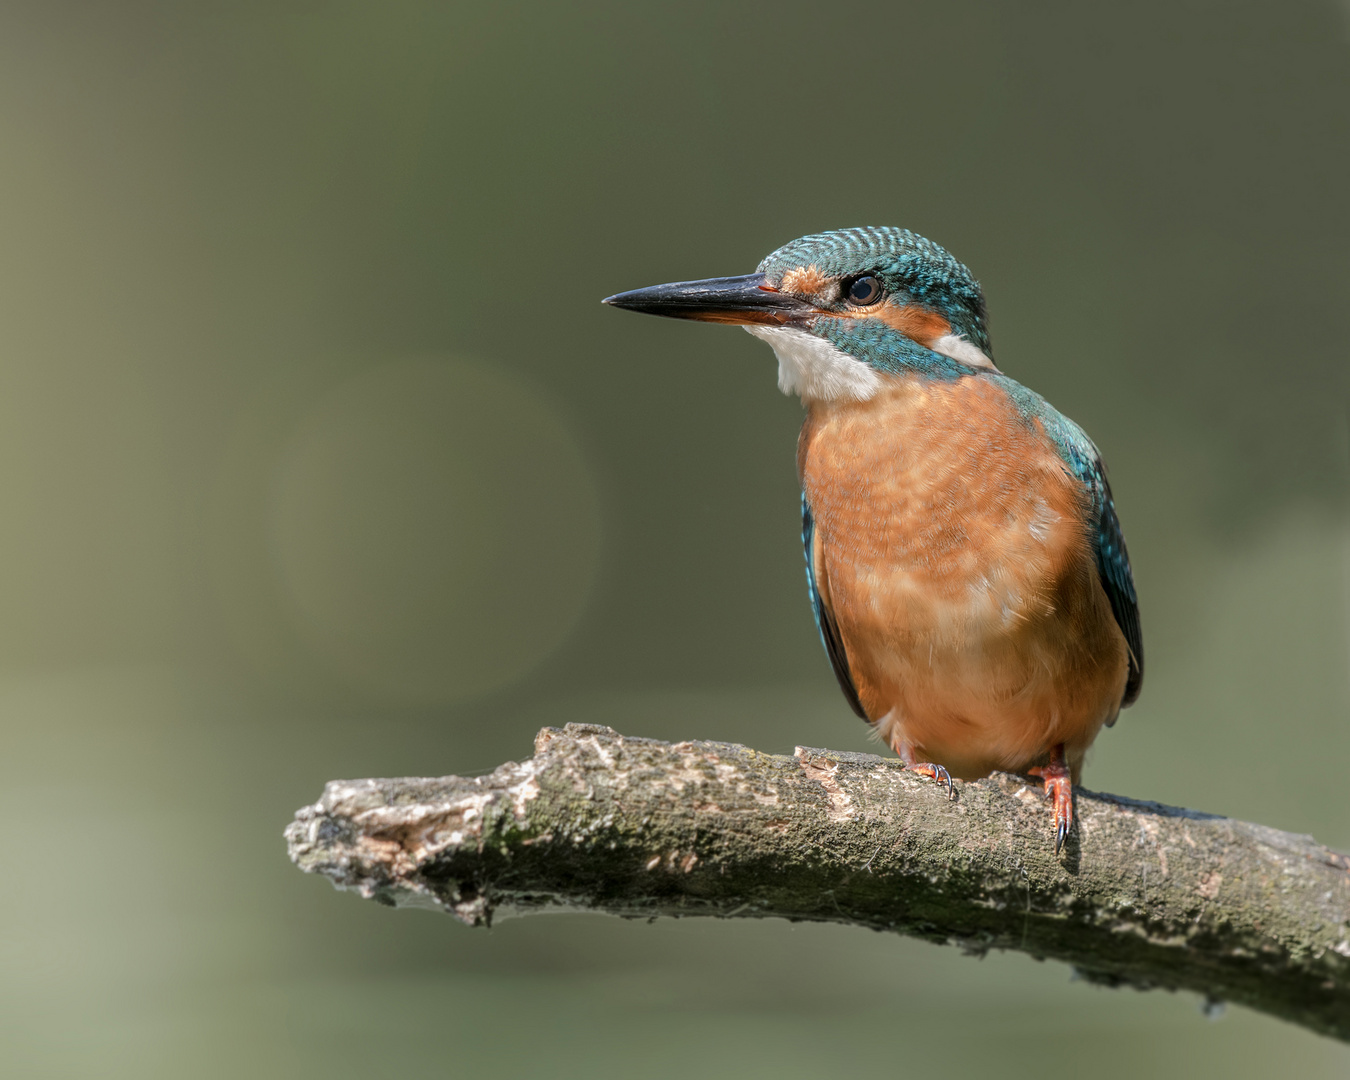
x,y
953,553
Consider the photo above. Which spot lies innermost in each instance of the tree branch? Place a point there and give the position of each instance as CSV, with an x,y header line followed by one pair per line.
x,y
1144,894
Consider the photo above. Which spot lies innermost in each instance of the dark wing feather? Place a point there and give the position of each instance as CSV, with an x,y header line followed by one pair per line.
x,y
1113,566
829,632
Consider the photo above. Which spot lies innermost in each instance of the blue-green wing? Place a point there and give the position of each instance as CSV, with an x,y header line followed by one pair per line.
x,y
1108,541
829,632
1113,567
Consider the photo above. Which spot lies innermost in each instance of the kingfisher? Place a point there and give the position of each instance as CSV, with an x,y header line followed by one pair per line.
x,y
964,560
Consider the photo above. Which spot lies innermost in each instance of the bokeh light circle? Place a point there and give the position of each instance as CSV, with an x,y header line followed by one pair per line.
x,y
435,530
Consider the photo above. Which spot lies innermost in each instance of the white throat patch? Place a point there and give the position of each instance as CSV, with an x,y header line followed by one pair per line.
x,y
815,370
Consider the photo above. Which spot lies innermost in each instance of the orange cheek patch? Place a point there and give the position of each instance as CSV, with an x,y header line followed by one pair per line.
x,y
804,281
917,323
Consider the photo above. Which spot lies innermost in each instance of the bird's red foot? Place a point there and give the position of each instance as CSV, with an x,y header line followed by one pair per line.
x,y
933,772
924,768
1059,790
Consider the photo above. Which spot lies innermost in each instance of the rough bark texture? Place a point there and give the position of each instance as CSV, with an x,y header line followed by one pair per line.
x,y
1144,894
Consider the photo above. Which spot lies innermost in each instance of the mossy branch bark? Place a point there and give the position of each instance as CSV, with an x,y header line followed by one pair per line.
x,y
1144,894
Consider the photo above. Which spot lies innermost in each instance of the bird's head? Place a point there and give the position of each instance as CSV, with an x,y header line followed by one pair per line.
x,y
843,310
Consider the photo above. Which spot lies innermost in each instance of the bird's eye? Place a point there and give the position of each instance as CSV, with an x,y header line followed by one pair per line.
x,y
865,290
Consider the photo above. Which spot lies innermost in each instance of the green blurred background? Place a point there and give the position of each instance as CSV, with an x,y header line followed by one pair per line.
x,y
320,458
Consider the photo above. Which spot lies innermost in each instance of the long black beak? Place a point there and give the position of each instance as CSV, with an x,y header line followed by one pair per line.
x,y
745,299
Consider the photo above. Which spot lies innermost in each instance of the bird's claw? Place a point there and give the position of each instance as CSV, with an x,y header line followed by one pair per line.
x,y
936,773
1059,790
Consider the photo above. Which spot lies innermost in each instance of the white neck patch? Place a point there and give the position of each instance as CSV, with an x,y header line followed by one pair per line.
x,y
962,351
815,370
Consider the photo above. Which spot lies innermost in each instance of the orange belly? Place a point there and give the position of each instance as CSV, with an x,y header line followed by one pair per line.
x,y
951,548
